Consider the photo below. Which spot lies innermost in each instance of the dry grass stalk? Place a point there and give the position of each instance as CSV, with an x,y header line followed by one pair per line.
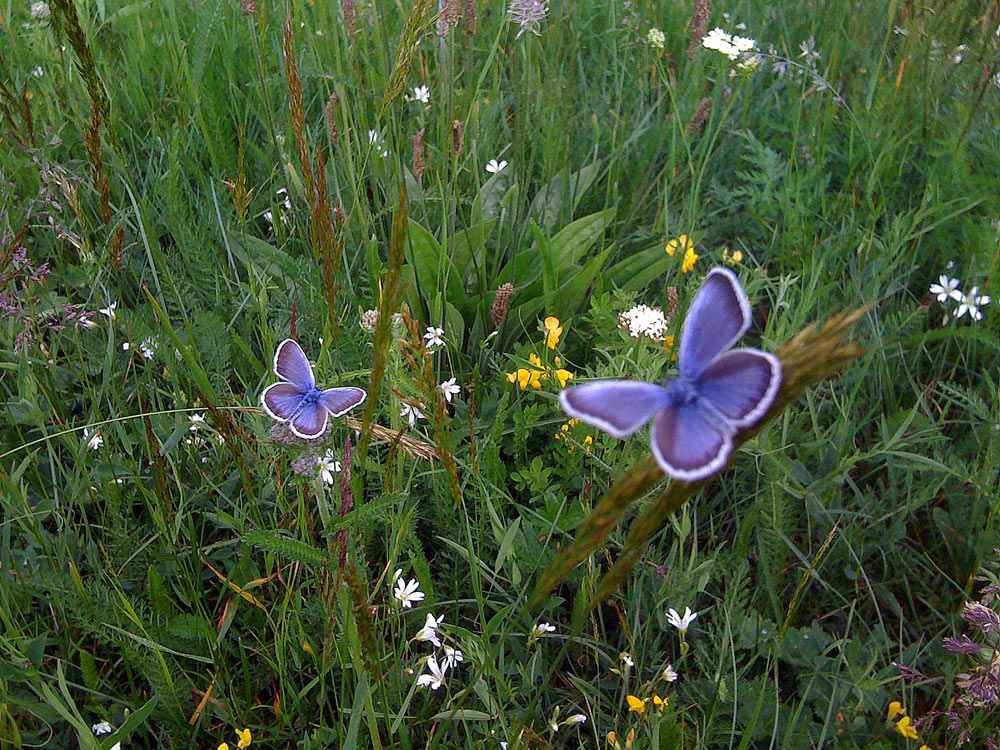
x,y
417,163
326,241
699,23
14,105
238,188
814,354
350,17
457,131
449,14
700,115
296,108
501,304
249,6
410,446
470,22
416,26
88,68
330,117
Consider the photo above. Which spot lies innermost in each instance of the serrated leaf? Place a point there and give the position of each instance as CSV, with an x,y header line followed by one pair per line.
x,y
285,547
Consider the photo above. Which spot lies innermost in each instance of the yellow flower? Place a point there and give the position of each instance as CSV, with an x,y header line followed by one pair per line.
x,y
533,358
244,736
563,376
587,442
896,709
224,746
635,704
573,422
924,747
733,258
904,728
511,377
552,332
690,256
659,702
681,243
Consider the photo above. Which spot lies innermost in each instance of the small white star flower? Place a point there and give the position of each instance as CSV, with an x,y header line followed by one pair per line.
x,y
452,656
626,659
435,674
148,348
104,728
682,623
429,631
197,421
421,94
541,628
970,303
406,592
575,719
945,288
450,389
434,337
493,166
93,438
328,466
126,346
411,413
669,674
109,311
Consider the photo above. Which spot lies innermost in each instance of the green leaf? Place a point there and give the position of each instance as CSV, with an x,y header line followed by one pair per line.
x,y
285,547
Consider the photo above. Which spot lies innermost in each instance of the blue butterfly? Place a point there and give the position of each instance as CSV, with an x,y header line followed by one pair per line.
x,y
717,392
297,401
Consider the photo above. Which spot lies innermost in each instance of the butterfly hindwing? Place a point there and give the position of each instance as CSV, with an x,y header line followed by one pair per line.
x,y
619,407
741,384
688,444
281,400
291,364
339,401
718,316
310,420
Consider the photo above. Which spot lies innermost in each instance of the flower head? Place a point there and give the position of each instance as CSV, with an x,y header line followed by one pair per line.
x,y
434,678
109,311
563,376
102,729
197,421
636,704
450,389
643,320
421,94
407,592
429,631
904,727
970,303
728,44
656,38
683,242
244,738
148,347
434,337
528,14
626,659
552,331
895,709
690,256
452,656
93,438
412,413
669,674
946,288
493,166
575,719
682,623
328,466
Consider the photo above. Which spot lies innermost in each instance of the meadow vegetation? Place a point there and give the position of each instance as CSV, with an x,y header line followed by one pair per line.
x,y
464,207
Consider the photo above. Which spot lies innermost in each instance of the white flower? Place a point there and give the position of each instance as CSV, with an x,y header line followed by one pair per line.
x,y
126,346
396,576
406,593
450,389
959,53
148,348
452,656
681,623
287,201
105,728
40,12
93,438
554,725
970,303
538,630
528,15
493,166
729,45
643,320
435,674
656,38
946,288
421,94
411,413
328,466
434,337
373,136
109,311
429,631
376,141
626,659
575,719
38,72
669,674
197,421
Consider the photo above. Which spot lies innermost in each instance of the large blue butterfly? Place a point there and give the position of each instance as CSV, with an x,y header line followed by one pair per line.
x,y
716,393
297,401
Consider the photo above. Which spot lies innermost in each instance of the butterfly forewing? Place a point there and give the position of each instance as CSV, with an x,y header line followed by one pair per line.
x,y
687,444
290,363
741,384
719,315
281,400
617,406
310,421
339,401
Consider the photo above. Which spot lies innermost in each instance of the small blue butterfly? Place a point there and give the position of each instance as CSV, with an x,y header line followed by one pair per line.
x,y
717,391
297,401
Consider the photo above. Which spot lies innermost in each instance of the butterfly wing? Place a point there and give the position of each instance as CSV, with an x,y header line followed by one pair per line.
x,y
282,400
310,420
339,401
719,315
741,384
619,407
291,364
688,444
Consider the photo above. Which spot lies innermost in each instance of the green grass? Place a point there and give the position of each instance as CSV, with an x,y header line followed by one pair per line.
x,y
182,584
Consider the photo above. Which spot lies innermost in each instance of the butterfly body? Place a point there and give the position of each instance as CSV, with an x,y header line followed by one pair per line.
x,y
296,399
717,392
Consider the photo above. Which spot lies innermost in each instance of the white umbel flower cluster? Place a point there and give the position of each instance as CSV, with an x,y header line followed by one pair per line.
x,y
644,321
730,45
